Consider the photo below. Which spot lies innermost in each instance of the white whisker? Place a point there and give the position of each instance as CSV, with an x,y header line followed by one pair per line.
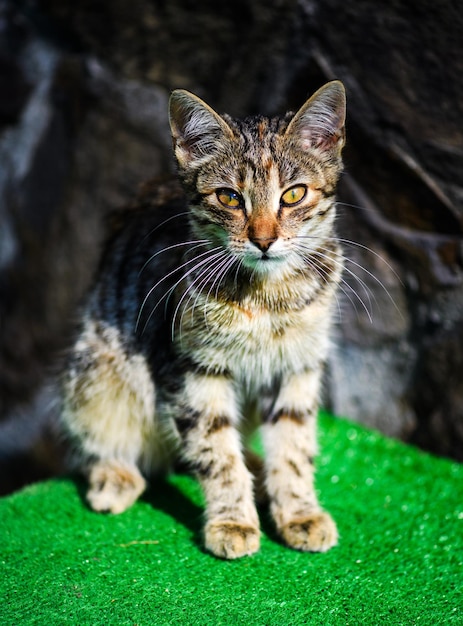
x,y
222,272
177,269
325,277
367,291
153,230
198,243
343,283
364,269
355,244
196,283
194,290
192,270
367,249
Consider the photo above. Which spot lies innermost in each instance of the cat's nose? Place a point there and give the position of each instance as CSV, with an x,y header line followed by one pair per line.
x,y
263,243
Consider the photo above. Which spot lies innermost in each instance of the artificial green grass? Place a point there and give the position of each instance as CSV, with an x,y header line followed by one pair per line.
x,y
399,561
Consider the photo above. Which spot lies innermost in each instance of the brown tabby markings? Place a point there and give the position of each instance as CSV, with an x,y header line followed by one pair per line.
x,y
299,418
210,317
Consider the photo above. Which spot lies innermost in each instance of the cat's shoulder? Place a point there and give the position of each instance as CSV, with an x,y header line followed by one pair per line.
x,y
157,200
158,191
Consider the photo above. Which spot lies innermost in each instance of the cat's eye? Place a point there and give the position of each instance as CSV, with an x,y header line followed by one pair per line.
x,y
294,195
229,198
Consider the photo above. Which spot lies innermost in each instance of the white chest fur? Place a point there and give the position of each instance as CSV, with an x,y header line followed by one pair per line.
x,y
257,345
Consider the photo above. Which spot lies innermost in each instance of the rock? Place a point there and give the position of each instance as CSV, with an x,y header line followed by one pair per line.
x,y
84,122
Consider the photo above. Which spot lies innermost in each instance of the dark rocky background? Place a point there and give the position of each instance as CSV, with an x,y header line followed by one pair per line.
x,y
83,97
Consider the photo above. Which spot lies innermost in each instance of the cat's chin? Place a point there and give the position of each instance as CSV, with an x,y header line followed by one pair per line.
x,y
269,266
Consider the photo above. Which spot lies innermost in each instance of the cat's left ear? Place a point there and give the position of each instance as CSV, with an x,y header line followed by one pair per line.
x,y
197,130
319,123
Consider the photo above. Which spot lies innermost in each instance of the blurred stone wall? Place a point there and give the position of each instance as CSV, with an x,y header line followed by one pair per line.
x,y
83,120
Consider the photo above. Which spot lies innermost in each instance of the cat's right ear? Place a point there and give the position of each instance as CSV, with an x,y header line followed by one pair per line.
x,y
197,130
319,124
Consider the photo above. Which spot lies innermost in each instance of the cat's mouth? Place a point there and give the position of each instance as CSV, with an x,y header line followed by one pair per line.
x,y
269,256
269,260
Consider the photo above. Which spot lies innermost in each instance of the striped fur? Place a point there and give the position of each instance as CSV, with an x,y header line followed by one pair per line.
x,y
210,316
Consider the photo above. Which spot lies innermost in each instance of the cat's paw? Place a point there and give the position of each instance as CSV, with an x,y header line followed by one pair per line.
x,y
113,487
230,540
313,533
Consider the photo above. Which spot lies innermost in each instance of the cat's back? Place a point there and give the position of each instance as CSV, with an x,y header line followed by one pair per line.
x,y
144,246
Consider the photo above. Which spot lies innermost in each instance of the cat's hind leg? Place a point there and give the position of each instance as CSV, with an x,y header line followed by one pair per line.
x,y
108,414
114,485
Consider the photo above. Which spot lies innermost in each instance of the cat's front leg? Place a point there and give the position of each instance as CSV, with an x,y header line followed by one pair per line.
x,y
207,416
290,445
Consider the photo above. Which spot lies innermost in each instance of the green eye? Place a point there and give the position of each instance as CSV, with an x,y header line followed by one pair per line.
x,y
294,195
229,198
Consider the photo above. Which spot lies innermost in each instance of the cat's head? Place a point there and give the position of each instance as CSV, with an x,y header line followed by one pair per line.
x,y
261,188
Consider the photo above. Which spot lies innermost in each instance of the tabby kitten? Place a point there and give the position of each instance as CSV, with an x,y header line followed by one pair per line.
x,y
210,316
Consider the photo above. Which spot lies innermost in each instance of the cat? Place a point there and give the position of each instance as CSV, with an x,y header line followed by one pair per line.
x,y
210,317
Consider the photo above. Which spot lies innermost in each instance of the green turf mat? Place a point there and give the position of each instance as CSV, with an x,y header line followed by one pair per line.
x,y
399,561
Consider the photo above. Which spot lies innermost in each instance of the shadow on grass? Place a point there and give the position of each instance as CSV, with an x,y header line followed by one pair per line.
x,y
162,495
168,498
267,524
